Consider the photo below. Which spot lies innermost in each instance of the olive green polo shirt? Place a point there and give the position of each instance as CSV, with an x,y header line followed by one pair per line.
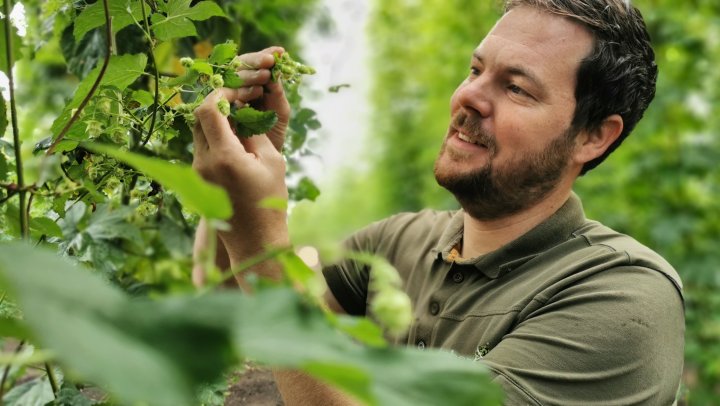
x,y
572,312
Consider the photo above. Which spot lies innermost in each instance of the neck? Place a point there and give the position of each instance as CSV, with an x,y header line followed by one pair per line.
x,y
483,236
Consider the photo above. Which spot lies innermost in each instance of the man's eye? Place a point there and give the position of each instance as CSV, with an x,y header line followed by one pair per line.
x,y
517,90
474,71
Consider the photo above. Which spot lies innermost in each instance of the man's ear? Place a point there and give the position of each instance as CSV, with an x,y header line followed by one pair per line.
x,y
592,144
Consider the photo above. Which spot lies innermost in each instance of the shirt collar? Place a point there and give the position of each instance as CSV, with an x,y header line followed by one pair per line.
x,y
553,231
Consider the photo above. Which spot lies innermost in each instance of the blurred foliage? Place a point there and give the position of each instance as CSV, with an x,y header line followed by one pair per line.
x,y
97,280
662,186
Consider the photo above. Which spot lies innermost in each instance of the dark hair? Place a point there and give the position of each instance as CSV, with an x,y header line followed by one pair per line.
x,y
619,75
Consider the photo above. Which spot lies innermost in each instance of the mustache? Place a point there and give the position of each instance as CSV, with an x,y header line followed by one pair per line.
x,y
470,123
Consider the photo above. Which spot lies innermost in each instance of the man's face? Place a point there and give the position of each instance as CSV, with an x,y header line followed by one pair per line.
x,y
509,140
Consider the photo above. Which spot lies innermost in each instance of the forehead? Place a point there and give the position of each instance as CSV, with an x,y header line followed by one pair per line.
x,y
550,45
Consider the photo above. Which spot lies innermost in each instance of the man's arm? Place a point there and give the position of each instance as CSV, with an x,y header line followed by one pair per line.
x,y
251,170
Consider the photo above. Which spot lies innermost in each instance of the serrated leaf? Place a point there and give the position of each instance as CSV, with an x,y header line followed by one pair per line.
x,y
143,97
206,199
45,226
249,122
189,78
121,72
202,67
177,21
122,13
107,223
231,79
69,395
16,44
82,56
223,53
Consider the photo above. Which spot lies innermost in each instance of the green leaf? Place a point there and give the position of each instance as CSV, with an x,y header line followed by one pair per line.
x,y
223,53
299,336
45,226
74,314
274,203
16,44
195,194
189,78
249,122
69,395
143,97
176,22
3,116
10,327
296,269
122,13
361,329
353,379
3,166
305,189
231,79
121,72
108,222
36,391
158,352
202,67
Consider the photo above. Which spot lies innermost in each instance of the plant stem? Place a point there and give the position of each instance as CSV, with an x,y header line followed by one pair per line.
x,y
106,62
157,78
51,379
13,117
7,371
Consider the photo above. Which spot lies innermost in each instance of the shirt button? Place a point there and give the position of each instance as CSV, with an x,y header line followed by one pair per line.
x,y
434,308
421,344
458,277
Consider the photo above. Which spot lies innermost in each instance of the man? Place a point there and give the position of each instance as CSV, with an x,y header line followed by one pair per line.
x,y
561,309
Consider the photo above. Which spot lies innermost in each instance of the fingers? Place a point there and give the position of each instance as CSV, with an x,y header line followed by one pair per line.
x,y
254,77
215,128
259,145
260,60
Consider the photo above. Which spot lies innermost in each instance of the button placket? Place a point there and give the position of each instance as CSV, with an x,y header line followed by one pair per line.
x,y
458,277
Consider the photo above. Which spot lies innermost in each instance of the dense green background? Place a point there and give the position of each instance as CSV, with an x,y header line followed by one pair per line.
x,y
662,186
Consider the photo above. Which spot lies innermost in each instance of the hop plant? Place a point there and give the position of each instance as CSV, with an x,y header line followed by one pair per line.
x,y
216,81
393,309
224,107
288,70
187,62
390,306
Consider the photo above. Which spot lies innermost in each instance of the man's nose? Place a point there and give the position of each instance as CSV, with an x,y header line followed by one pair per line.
x,y
475,94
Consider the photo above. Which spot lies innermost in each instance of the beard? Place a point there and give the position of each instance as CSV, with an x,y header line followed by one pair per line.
x,y
494,191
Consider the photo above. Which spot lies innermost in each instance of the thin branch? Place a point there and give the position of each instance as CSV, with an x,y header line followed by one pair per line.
x,y
10,194
106,62
6,372
52,379
13,116
157,78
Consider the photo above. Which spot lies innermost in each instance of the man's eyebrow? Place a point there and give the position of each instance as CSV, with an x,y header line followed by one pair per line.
x,y
515,70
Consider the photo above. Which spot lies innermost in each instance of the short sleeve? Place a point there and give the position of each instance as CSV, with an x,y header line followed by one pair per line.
x,y
615,338
348,279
